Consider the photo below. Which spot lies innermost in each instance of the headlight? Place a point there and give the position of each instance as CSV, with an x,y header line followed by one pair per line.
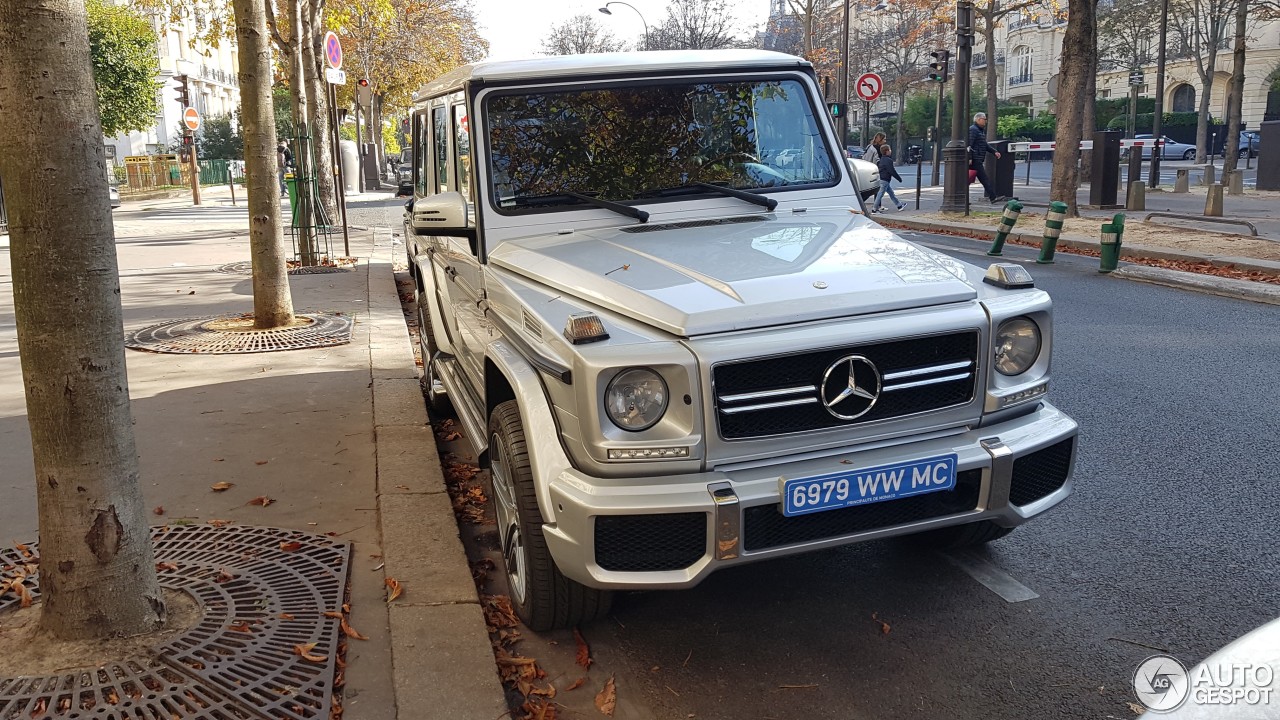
x,y
1017,345
636,399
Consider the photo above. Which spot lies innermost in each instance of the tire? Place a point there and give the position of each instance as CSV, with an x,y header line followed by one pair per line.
x,y
1244,153
1189,155
541,595
437,400
959,536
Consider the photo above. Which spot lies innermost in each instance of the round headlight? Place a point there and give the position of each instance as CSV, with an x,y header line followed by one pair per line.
x,y
636,399
1017,346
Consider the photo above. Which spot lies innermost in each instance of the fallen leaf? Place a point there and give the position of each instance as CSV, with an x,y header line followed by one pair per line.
x,y
577,683
26,552
220,523
165,566
402,487
350,631
884,628
193,292
607,698
333,614
293,546
260,462
304,652
1136,708
240,626
395,588
346,608
798,687
217,459
285,616
221,486
159,510
42,705
224,576
583,657
262,500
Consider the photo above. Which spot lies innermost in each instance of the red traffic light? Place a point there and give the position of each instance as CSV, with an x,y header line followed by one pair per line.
x,y
363,82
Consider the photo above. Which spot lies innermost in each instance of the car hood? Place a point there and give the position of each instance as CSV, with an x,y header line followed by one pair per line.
x,y
699,277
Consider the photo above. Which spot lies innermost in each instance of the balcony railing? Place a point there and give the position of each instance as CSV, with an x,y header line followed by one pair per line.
x,y
1024,79
980,59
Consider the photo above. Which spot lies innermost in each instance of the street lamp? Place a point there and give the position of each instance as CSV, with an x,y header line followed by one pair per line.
x,y
606,11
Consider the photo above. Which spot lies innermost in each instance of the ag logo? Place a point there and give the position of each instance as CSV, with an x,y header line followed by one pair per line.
x,y
1161,683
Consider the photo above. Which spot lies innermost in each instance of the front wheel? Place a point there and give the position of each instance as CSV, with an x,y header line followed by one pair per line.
x,y
542,597
1189,155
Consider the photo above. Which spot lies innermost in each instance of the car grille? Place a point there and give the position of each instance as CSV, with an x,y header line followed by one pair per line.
x,y
649,543
764,526
1037,475
779,395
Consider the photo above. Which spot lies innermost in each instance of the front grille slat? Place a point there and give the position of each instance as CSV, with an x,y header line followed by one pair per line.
x,y
764,526
920,375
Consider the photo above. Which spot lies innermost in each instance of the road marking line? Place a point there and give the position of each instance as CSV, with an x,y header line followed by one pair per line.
x,y
986,572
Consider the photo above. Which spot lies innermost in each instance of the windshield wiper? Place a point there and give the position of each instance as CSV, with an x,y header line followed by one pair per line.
x,y
766,202
619,208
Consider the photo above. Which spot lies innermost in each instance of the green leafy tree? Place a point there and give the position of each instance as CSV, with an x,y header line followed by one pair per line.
x,y
125,64
220,139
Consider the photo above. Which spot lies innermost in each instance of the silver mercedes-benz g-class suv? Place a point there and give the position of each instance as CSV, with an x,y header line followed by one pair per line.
x,y
648,288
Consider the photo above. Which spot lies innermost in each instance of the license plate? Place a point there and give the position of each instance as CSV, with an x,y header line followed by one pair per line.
x,y
801,496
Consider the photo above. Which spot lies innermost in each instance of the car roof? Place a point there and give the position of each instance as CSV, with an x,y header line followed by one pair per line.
x,y
596,64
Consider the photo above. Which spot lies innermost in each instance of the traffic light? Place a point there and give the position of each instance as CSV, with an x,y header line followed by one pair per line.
x,y
964,23
184,97
363,82
941,59
838,109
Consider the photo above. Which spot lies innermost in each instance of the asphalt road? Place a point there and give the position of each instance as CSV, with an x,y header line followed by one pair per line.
x,y
1168,544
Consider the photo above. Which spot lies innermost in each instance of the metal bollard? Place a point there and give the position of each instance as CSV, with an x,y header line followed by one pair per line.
x,y
1012,210
1052,229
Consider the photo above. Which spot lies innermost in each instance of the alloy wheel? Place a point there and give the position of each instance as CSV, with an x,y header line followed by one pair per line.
x,y
514,555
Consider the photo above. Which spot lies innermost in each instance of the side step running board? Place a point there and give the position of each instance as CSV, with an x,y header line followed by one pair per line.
x,y
465,404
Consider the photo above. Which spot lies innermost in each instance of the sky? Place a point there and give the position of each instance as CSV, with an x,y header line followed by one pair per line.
x,y
516,28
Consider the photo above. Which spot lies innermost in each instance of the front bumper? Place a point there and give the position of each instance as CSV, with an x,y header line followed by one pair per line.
x,y
672,531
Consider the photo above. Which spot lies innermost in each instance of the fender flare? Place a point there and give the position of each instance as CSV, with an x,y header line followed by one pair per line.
x,y
547,457
427,278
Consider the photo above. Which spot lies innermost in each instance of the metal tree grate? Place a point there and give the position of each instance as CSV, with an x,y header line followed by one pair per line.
x,y
196,336
317,269
243,578
244,267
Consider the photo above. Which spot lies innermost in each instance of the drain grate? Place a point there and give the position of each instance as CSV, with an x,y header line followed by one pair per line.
x,y
243,579
244,267
199,336
317,269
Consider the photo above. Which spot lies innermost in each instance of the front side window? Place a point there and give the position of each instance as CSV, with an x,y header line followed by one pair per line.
x,y
635,142
440,141
462,150
420,147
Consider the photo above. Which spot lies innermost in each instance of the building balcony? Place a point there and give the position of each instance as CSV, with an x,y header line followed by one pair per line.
x,y
1025,79
980,59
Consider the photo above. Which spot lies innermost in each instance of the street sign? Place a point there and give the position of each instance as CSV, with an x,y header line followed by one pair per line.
x,y
1136,78
334,76
191,118
332,50
868,87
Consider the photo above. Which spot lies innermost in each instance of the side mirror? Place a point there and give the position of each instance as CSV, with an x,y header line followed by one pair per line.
x,y
441,214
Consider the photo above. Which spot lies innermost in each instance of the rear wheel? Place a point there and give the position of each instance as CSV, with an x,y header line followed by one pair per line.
x,y
1189,155
958,536
542,596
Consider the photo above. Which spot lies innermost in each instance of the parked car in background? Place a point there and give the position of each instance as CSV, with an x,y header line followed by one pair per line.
x,y
1249,142
1172,150
114,193
404,173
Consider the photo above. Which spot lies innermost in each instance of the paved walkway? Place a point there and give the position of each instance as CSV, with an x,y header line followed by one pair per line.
x,y
337,437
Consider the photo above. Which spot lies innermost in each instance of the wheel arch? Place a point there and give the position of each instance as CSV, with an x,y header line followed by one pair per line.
x,y
509,376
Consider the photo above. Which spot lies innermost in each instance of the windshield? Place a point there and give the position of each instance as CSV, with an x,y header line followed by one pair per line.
x,y
631,142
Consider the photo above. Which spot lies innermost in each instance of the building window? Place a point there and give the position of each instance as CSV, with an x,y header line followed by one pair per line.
x,y
1184,99
1021,66
1106,94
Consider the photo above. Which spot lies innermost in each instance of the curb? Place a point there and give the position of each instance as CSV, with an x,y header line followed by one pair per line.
x,y
1227,287
1141,252
441,656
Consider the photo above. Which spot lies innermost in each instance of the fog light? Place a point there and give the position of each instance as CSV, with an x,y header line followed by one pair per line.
x,y
657,453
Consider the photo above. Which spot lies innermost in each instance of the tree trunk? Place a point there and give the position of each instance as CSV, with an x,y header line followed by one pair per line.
x,y
1090,119
993,116
1235,91
272,302
1079,61
318,104
97,569
375,119
900,134
1202,121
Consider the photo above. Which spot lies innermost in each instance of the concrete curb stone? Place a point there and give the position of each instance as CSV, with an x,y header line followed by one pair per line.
x,y
1228,287
443,664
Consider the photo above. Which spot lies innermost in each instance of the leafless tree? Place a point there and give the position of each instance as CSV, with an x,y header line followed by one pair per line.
x,y
900,40
97,569
580,34
697,25
1201,28
1235,91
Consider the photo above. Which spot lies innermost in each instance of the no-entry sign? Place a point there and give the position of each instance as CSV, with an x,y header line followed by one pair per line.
x,y
191,118
332,50
868,87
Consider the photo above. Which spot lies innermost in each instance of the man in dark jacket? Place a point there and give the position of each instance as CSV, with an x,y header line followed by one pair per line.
x,y
978,149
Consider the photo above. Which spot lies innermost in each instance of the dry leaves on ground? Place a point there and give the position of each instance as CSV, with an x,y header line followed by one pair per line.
x,y
583,657
607,698
349,631
262,500
221,486
291,546
240,626
224,576
19,588
394,589
166,566
220,523
577,683
159,510
304,652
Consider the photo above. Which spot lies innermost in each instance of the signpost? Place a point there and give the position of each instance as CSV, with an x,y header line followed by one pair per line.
x,y
867,88
334,76
191,123
1136,80
191,118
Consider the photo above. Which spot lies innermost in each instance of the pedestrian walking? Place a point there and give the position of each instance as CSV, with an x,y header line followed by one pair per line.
x,y
872,154
978,149
284,161
888,173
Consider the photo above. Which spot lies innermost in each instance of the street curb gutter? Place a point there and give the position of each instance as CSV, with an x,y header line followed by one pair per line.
x,y
980,232
442,660
1228,287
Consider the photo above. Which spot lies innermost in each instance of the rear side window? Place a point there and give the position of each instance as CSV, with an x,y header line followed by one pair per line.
x,y
440,141
420,147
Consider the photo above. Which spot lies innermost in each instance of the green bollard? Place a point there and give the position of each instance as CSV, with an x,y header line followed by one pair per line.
x,y
1110,248
1012,210
1052,229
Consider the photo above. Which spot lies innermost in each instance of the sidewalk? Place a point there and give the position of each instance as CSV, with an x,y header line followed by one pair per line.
x,y
337,437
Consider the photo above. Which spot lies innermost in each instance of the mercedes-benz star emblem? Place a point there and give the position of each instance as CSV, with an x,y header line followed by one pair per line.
x,y
850,387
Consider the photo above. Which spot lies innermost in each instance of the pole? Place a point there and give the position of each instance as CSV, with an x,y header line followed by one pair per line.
x,y
1133,110
231,180
955,191
359,146
919,181
1158,118
842,124
937,135
866,120
337,162
194,168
